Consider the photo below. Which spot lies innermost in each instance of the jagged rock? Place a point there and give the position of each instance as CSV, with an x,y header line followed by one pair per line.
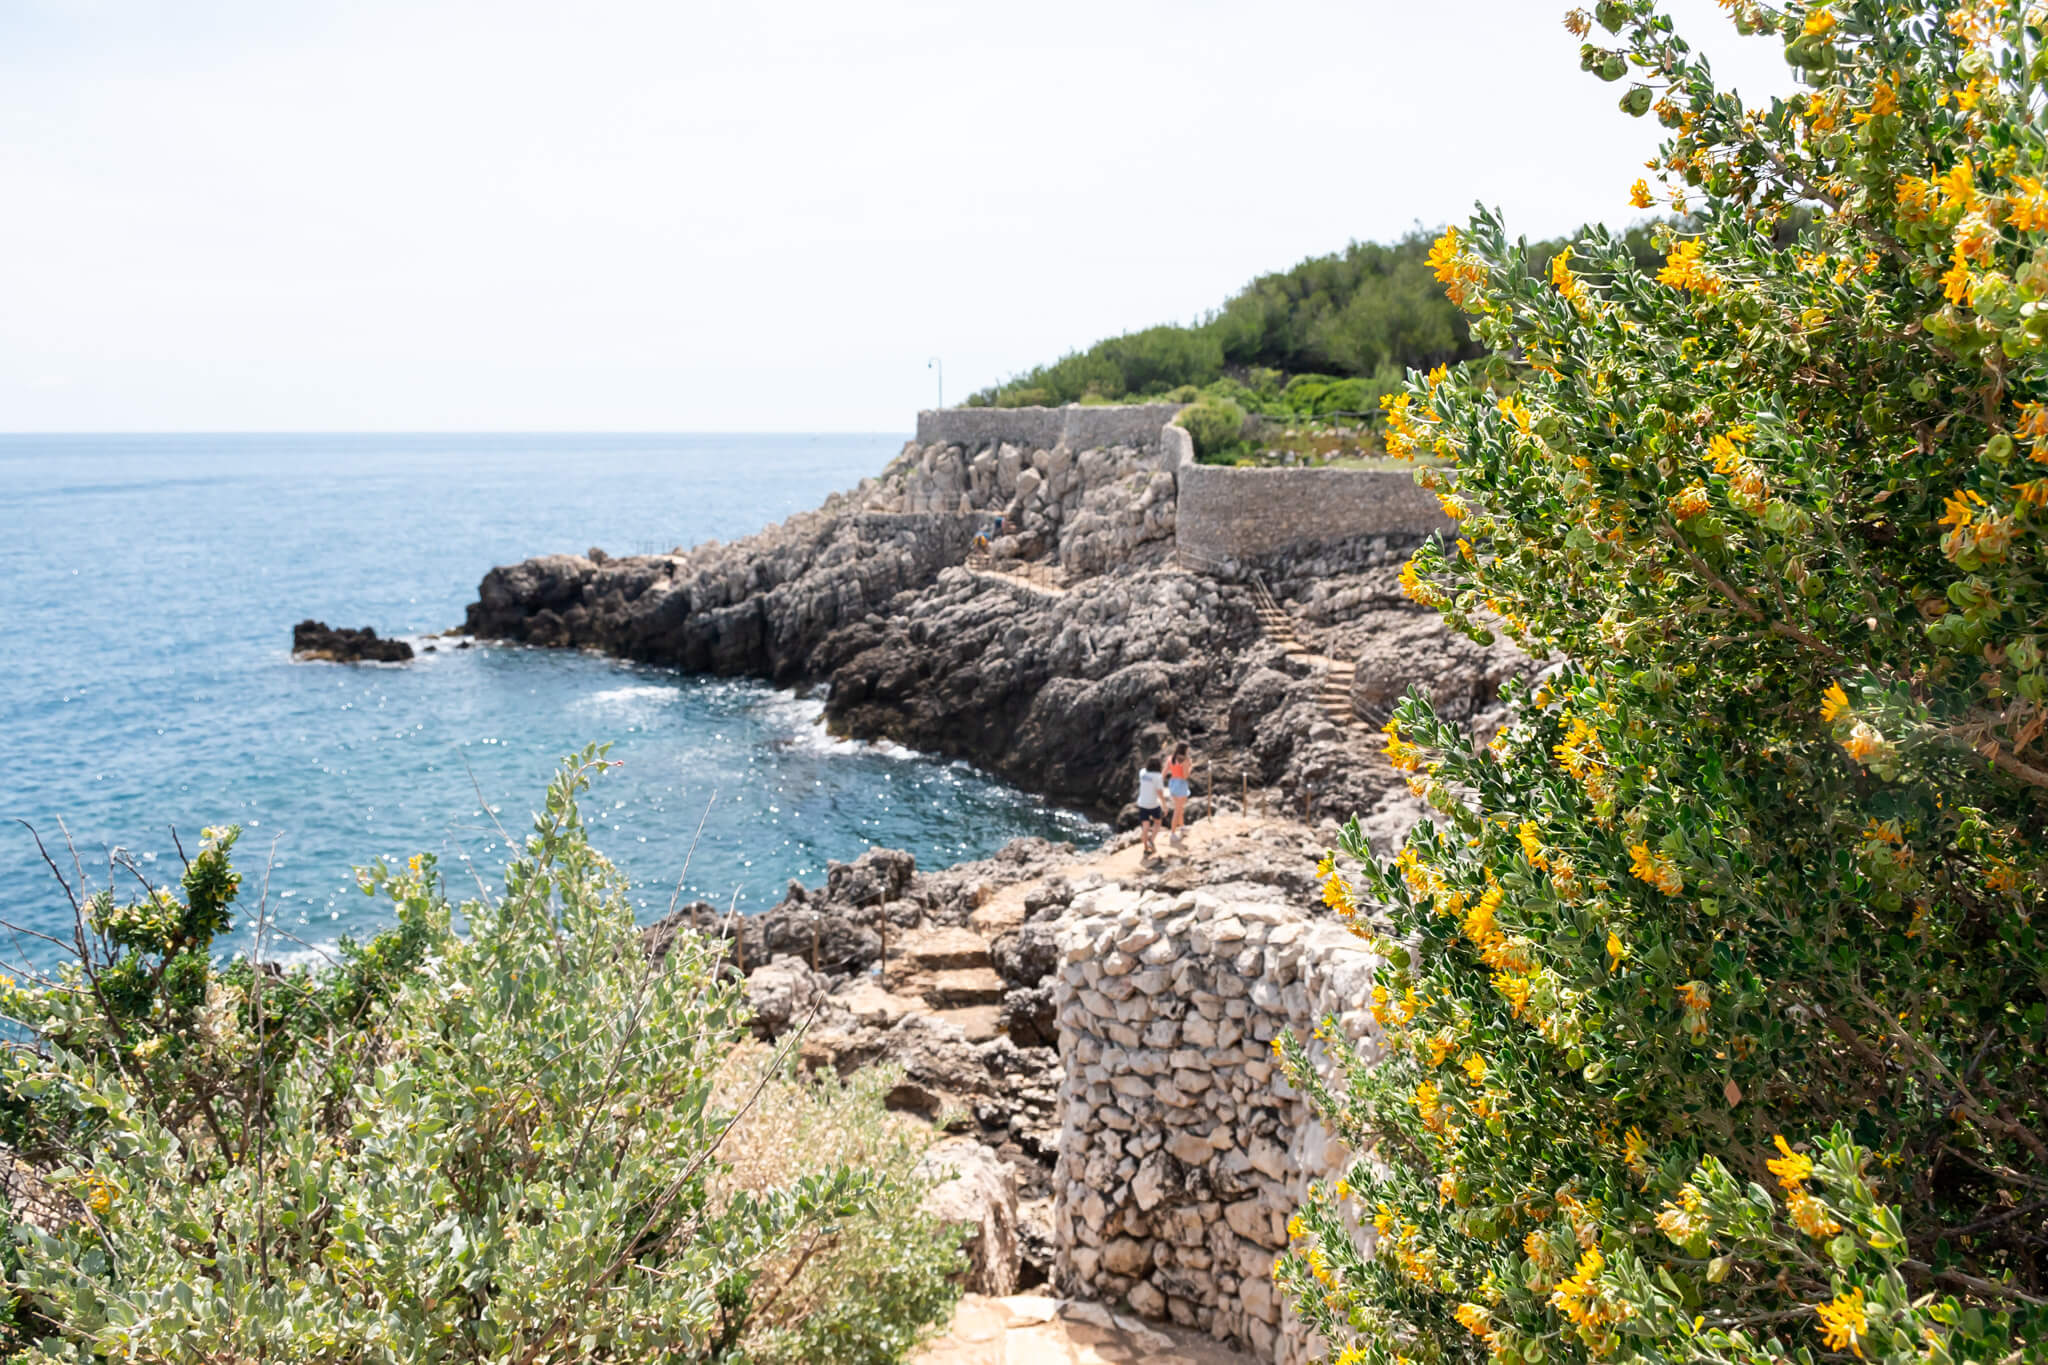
x,y
318,640
782,994
1024,955
973,1189
1030,1016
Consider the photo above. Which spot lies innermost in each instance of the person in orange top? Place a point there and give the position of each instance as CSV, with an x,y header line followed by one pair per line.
x,y
1178,768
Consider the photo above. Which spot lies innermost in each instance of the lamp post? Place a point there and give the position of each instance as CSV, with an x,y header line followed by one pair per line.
x,y
936,364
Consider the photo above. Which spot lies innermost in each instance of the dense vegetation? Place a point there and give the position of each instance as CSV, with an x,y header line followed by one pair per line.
x,y
1717,993
527,1143
1328,337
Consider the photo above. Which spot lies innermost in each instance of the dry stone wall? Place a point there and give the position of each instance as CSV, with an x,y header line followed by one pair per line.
x,y
1248,516
1182,1149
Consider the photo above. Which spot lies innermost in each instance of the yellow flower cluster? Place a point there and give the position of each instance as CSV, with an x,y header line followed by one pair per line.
x,y
1685,1218
1683,269
1458,270
1475,1320
1729,454
1655,868
1793,1171
1568,284
1843,1321
1581,1298
1694,999
1976,527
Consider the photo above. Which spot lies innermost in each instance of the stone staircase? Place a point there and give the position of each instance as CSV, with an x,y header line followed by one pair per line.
x,y
1333,687
949,969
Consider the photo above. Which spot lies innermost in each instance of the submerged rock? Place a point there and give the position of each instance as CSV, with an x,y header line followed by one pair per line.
x,y
318,640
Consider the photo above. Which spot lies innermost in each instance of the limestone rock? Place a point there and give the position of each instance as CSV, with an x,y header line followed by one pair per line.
x,y
973,1188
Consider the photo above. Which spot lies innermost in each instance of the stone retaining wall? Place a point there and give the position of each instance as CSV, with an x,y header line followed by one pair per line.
x,y
1077,428
1183,1150
1241,516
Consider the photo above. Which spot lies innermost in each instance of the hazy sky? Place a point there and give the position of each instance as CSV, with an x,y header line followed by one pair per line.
x,y
407,215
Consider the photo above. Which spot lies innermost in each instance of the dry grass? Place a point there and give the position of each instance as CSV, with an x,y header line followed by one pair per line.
x,y
862,1292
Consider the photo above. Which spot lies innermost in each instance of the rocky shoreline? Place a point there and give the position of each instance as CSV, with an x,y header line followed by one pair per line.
x,y
1129,1107
1077,642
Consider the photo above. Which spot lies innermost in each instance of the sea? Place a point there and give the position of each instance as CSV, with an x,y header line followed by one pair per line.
x,y
148,588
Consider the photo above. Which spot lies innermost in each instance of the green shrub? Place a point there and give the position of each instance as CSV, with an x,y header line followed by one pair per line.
x,y
1716,993
510,1150
1216,425
862,1290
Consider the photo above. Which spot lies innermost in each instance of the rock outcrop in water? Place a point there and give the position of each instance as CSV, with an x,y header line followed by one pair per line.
x,y
318,640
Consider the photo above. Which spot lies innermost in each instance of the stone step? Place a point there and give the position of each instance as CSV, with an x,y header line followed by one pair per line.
x,y
941,949
962,986
979,1022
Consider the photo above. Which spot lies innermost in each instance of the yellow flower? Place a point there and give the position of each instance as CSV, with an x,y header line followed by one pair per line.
x,y
1955,284
1457,269
1958,186
1811,1216
1843,1321
1338,896
1564,281
1689,502
2027,208
1405,757
1792,1169
1579,1298
1656,869
1513,989
1864,742
1428,1106
1834,703
1820,23
1635,1152
1475,1069
1616,951
1694,998
1684,1220
1639,195
1682,269
1474,1319
1916,197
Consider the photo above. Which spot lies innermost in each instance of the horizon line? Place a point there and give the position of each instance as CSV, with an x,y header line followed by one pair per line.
x,y
451,431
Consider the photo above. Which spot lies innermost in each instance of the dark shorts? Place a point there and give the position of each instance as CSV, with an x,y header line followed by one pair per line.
x,y
1151,815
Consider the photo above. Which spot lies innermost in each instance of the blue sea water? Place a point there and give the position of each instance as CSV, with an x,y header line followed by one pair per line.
x,y
148,587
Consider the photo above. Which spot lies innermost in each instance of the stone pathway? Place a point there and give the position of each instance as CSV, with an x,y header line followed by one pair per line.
x,y
1027,1329
1334,691
1036,575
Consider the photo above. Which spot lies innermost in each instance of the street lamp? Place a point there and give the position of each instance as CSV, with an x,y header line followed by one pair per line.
x,y
936,364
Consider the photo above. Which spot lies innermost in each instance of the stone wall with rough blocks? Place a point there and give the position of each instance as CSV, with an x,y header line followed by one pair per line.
x,y
1243,516
1076,427
1183,1150
1090,489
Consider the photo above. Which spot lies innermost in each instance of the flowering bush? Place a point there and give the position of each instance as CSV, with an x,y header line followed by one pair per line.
x,y
1715,998
504,1146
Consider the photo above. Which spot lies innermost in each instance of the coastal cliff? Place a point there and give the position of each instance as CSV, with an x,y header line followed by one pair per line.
x,y
1076,635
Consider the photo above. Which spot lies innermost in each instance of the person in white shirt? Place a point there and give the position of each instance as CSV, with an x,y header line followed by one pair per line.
x,y
1151,783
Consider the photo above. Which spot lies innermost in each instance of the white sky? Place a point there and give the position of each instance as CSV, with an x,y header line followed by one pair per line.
x,y
513,215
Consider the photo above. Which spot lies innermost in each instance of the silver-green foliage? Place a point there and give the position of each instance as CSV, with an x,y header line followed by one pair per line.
x,y
518,1165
